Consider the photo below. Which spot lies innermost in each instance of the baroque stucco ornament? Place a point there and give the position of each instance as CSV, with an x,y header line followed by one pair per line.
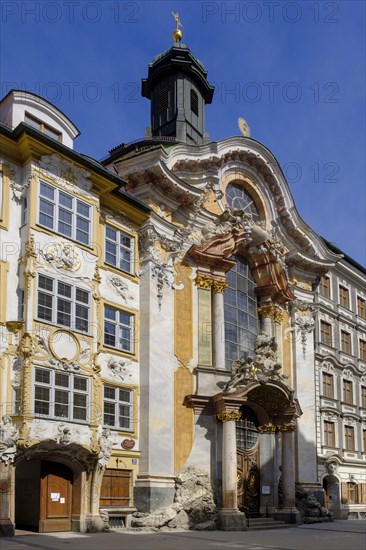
x,y
160,254
120,367
66,172
62,256
9,436
262,367
304,323
120,287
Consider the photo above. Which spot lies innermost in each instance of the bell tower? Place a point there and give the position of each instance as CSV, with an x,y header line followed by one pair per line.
x,y
178,89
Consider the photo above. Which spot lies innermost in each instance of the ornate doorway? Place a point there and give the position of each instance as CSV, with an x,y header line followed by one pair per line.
x,y
247,444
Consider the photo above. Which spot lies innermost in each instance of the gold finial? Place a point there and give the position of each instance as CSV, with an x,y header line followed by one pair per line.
x,y
177,34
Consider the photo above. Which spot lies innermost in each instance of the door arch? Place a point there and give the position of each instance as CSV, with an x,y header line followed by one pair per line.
x,y
50,494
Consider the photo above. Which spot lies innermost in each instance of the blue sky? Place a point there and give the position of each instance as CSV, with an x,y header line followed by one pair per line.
x,y
295,70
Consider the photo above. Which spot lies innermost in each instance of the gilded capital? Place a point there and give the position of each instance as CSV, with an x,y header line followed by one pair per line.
x,y
204,282
291,427
271,311
219,286
225,416
267,429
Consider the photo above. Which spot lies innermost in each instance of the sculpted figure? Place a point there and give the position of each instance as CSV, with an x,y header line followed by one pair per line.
x,y
9,435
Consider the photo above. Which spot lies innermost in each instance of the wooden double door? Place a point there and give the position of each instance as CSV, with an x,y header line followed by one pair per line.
x,y
55,497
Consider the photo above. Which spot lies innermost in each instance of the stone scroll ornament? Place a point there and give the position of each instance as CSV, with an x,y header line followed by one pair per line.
x,y
260,368
9,436
160,253
304,323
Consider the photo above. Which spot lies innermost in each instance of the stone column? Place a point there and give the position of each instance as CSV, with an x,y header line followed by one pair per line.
x,y
266,312
267,452
288,510
7,495
230,517
218,320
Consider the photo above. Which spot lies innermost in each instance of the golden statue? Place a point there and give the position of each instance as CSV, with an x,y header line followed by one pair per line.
x,y
177,34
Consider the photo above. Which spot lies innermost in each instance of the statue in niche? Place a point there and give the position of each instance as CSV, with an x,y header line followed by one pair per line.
x,y
9,436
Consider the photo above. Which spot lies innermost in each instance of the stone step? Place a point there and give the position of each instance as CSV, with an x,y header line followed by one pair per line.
x,y
272,526
266,523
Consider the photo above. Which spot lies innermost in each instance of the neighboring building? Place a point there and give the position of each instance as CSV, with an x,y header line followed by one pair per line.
x,y
340,355
121,369
69,311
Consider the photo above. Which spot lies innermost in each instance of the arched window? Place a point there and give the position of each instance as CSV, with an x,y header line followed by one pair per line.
x,y
241,315
238,197
194,102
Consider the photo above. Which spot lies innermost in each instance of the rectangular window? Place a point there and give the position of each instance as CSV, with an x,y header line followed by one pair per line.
x,y
328,389
349,437
325,333
118,329
347,391
361,307
344,296
63,304
42,127
324,287
346,342
364,440
117,408
363,397
329,434
60,395
363,350
119,249
64,214
352,493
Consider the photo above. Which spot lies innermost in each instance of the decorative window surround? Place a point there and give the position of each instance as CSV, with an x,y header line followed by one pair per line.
x,y
118,329
344,298
61,395
118,408
64,214
63,304
119,249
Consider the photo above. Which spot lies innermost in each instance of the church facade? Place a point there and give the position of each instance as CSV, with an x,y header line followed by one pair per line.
x,y
179,315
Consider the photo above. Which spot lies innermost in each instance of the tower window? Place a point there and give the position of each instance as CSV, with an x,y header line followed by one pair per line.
x,y
194,102
163,99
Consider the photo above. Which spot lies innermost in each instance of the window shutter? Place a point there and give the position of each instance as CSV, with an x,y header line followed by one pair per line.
x,y
344,498
359,493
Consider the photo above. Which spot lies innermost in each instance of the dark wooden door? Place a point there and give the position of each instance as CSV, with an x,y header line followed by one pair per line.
x,y
249,482
247,443
56,497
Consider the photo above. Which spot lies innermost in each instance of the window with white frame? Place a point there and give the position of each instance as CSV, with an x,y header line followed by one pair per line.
x,y
117,408
60,395
119,249
118,329
64,213
63,304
